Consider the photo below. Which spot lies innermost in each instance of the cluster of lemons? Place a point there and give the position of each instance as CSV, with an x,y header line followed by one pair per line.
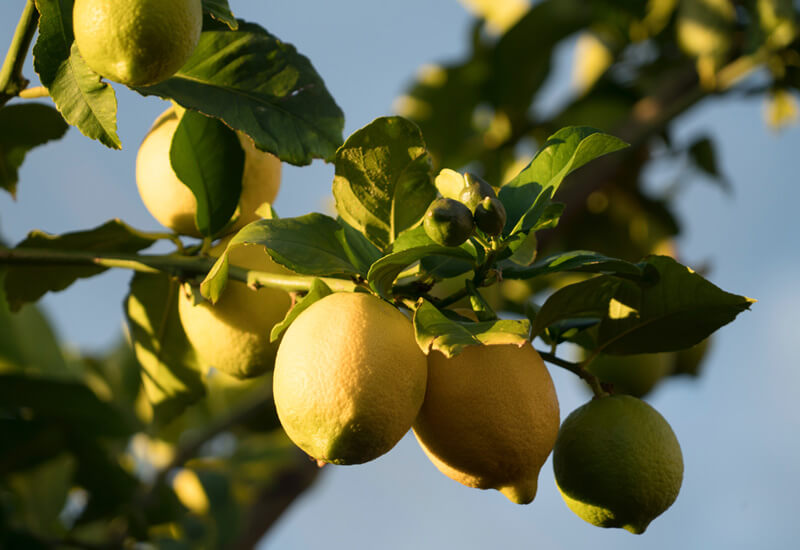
x,y
349,379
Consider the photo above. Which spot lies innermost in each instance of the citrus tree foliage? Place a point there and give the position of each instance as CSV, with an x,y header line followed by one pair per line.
x,y
143,444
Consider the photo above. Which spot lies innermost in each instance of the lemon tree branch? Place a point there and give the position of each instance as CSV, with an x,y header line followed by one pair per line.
x,y
11,79
186,267
577,369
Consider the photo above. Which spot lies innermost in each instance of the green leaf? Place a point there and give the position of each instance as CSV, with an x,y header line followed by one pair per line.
x,y
704,157
78,92
170,372
524,249
677,312
28,283
360,251
261,86
27,343
584,300
383,182
309,245
574,260
383,272
528,195
435,331
317,291
62,401
207,157
23,127
221,11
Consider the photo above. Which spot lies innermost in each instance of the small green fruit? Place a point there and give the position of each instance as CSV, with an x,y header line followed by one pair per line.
x,y
490,216
448,222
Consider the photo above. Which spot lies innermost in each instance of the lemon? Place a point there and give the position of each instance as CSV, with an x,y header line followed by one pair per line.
x,y
490,418
233,334
617,463
137,42
634,375
173,204
349,378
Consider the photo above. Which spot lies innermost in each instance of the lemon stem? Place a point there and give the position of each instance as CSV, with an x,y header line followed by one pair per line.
x,y
11,79
577,369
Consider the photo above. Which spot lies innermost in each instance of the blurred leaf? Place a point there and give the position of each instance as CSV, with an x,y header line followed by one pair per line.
x,y
384,271
528,195
689,361
28,283
42,492
170,373
23,127
207,157
61,401
703,156
574,260
78,92
28,342
261,86
26,443
677,312
317,291
383,182
520,62
221,11
435,331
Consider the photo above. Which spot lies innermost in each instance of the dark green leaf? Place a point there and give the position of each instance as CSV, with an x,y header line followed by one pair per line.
x,y
479,305
29,283
435,331
41,492
587,299
66,402
261,86
575,260
317,291
207,157
83,99
383,182
360,251
170,372
221,11
384,271
679,311
528,195
23,127
309,245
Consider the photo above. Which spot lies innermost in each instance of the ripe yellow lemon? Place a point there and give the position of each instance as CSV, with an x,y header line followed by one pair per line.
x,y
349,378
233,334
617,463
490,418
137,42
173,204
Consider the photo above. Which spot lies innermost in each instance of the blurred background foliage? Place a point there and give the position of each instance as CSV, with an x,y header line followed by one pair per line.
x,y
83,465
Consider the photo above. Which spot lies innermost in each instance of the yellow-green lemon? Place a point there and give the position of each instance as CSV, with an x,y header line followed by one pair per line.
x,y
233,335
349,378
173,204
617,463
137,42
490,418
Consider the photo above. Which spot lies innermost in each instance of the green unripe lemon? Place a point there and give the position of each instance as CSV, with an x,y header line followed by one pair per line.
x,y
617,463
448,222
490,216
349,378
137,42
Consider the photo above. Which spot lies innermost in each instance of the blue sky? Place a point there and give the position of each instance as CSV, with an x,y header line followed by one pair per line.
x,y
737,424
